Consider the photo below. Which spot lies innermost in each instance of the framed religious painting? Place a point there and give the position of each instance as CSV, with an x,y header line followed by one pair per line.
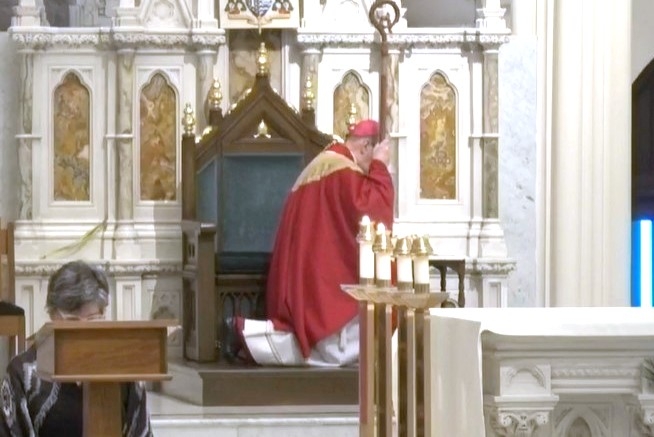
x,y
259,14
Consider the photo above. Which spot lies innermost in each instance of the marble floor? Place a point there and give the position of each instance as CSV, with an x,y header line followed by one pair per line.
x,y
171,418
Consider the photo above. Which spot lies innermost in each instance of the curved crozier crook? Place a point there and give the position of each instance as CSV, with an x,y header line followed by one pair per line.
x,y
381,21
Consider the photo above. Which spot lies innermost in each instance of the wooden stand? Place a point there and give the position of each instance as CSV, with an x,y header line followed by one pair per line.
x,y
102,355
375,365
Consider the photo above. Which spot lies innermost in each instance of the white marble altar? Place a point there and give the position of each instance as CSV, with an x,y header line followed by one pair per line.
x,y
540,372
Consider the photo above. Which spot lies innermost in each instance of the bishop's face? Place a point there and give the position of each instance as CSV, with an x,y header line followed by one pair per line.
x,y
364,153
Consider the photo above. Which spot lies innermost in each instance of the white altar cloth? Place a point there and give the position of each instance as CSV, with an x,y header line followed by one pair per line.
x,y
454,343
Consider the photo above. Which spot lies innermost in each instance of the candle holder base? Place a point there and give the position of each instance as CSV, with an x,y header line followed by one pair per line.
x,y
395,297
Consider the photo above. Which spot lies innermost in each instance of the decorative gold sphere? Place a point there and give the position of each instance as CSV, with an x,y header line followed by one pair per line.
x,y
262,60
188,120
352,116
309,96
215,96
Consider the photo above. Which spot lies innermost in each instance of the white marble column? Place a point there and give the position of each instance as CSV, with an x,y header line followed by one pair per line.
x,y
491,238
392,121
206,59
490,15
310,64
26,14
584,152
126,14
25,137
125,235
206,14
523,18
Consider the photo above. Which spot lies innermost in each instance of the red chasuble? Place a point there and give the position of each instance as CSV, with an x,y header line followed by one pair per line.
x,y
316,249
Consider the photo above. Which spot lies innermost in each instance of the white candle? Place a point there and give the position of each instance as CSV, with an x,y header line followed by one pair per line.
x,y
383,266
421,269
366,254
383,256
366,260
404,268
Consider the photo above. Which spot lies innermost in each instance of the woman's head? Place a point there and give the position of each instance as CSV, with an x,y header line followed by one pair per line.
x,y
77,291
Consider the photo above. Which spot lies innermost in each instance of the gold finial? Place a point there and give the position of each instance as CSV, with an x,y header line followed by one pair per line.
x,y
188,120
402,247
215,96
366,228
382,243
421,247
352,116
308,93
262,60
262,130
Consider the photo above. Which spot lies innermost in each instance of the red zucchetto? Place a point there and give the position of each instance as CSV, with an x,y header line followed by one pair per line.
x,y
365,128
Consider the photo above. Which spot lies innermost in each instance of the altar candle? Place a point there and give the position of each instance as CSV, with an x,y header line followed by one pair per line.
x,y
382,250
366,255
403,259
421,269
421,249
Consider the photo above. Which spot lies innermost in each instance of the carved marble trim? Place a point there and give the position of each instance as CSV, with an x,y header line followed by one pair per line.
x,y
102,39
645,414
595,372
112,268
647,423
540,375
403,40
486,266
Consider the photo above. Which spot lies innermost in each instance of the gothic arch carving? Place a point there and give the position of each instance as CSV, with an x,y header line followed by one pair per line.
x,y
71,138
350,93
158,137
578,419
438,138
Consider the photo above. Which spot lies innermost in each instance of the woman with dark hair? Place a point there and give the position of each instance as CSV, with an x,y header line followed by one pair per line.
x,y
33,406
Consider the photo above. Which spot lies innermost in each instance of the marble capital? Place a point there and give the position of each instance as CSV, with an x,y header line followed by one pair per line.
x,y
518,423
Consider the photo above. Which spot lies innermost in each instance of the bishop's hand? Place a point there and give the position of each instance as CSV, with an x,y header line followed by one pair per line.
x,y
382,151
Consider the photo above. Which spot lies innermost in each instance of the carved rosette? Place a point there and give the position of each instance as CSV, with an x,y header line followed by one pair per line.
x,y
518,423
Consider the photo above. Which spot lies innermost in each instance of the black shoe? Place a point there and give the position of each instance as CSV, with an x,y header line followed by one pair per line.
x,y
231,343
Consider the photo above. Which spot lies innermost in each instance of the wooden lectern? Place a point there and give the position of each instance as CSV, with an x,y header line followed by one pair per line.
x,y
102,355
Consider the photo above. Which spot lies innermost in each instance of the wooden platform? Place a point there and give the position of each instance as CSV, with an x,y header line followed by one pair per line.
x,y
220,384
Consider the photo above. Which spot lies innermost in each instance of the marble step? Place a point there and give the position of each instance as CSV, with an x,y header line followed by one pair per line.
x,y
172,417
221,384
